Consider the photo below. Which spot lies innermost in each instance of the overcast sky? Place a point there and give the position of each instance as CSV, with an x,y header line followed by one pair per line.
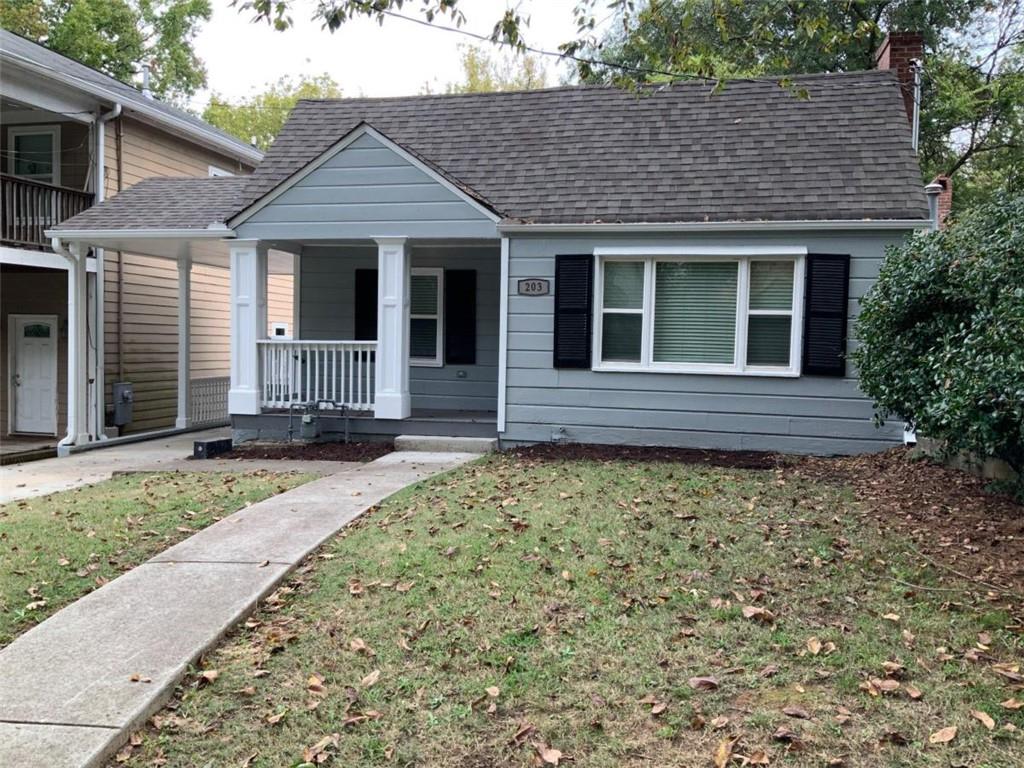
x,y
366,59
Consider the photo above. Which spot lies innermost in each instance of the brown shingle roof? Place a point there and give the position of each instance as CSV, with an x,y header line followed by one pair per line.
x,y
752,151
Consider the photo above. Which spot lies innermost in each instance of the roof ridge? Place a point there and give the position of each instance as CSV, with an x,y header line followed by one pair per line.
x,y
584,87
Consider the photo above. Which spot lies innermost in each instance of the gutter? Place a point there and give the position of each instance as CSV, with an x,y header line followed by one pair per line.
x,y
69,437
714,226
236,149
99,399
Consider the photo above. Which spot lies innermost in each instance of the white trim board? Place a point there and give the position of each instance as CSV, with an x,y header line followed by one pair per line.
x,y
41,259
361,130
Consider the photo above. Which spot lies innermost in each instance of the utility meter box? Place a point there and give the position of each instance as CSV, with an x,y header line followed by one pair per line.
x,y
124,401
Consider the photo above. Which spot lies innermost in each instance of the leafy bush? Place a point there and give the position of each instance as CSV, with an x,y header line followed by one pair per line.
x,y
942,333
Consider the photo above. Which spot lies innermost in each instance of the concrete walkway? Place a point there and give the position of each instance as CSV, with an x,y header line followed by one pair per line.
x,y
67,698
159,454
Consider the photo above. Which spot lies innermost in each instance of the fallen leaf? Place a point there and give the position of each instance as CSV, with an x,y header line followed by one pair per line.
x,y
893,617
983,718
137,678
724,753
357,645
798,712
1013,704
943,736
913,691
549,755
720,722
703,683
370,679
757,613
275,718
757,757
493,691
813,646
658,708
208,675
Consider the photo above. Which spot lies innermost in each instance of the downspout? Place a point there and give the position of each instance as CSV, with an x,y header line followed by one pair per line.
x,y
917,67
69,436
118,136
99,383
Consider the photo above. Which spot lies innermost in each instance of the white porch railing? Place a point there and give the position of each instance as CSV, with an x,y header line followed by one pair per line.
x,y
325,372
208,400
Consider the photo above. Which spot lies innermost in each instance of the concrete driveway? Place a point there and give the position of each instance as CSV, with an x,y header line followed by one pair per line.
x,y
165,453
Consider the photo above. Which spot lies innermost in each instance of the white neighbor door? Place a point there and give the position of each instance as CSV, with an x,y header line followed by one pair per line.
x,y
34,378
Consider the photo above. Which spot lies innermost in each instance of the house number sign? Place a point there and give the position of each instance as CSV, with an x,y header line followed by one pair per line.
x,y
534,286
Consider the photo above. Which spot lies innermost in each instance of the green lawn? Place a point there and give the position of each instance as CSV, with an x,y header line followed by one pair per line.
x,y
523,613
56,548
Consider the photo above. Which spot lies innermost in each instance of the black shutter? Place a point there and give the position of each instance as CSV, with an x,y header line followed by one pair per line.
x,y
366,305
825,299
573,304
460,316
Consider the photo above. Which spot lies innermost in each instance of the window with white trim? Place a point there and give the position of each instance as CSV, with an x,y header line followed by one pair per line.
x,y
34,153
216,172
426,319
699,314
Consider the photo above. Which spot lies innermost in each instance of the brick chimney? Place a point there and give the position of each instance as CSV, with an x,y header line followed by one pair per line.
x,y
945,198
896,52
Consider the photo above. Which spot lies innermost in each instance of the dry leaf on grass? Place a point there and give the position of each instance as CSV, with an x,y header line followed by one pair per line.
x,y
813,646
370,679
758,613
943,735
723,754
983,718
1012,704
703,683
549,755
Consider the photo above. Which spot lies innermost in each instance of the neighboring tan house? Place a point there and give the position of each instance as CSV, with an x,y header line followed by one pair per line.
x,y
677,267
70,137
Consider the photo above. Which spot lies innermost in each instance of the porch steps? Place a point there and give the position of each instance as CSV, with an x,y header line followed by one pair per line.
x,y
445,444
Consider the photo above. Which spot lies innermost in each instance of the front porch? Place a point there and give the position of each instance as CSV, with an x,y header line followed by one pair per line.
x,y
392,337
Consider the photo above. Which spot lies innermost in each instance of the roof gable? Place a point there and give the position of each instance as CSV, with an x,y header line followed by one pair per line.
x,y
752,152
366,185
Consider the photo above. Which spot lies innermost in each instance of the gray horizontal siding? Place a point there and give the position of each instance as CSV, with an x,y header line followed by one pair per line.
x,y
805,414
364,191
327,311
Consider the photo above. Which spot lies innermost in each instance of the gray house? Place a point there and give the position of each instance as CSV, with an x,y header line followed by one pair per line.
x,y
674,267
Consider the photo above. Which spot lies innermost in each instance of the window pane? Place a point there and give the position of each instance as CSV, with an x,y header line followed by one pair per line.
x,y
768,340
423,289
695,312
624,285
37,331
423,338
33,155
620,338
771,285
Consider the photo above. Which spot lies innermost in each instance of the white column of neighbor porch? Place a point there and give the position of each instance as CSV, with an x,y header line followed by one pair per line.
x,y
183,420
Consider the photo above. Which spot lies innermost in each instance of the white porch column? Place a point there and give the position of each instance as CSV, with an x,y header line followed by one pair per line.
x,y
78,373
248,323
184,340
392,400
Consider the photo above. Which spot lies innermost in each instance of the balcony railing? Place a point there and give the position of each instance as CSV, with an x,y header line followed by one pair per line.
x,y
29,208
338,374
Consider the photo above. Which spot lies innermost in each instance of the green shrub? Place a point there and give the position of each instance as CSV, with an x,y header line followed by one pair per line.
x,y
942,333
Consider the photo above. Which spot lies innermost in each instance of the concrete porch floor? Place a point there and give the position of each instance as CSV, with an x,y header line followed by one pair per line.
x,y
15,449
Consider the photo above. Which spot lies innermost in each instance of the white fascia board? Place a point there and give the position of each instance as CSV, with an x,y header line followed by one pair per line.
x,y
86,235
704,250
717,226
139,108
337,148
41,259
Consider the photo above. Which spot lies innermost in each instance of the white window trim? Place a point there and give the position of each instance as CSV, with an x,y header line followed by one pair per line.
x,y
742,256
214,171
53,131
438,360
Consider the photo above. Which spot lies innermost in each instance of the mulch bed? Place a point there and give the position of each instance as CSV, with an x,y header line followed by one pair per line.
x,y
364,451
590,452
948,515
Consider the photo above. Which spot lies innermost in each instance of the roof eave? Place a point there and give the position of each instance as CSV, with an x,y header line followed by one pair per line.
x,y
139,107
512,227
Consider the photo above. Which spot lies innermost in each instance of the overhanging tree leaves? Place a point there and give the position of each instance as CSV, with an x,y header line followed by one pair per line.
x,y
973,104
941,333
260,118
118,36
